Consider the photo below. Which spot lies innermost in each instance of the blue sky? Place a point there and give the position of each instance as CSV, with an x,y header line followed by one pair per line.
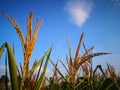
x,y
98,19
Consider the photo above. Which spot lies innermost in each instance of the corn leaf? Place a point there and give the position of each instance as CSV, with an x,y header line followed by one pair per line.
x,y
39,84
38,63
100,68
12,65
61,74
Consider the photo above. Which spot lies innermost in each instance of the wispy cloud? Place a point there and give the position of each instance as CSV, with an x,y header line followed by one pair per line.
x,y
116,3
48,71
79,11
2,71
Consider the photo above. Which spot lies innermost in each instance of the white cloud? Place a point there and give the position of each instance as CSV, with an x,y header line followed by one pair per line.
x,y
48,71
2,70
79,11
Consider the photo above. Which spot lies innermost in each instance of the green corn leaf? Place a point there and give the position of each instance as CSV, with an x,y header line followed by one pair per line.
x,y
61,74
2,49
99,67
78,84
39,72
109,84
38,63
12,65
39,84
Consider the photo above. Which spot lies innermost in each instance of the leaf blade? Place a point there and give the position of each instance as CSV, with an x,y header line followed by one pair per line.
x,y
12,65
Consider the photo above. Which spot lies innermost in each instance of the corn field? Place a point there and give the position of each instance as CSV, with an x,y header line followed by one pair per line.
x,y
24,78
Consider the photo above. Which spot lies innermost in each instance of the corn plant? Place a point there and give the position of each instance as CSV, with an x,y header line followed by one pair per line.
x,y
29,44
24,78
74,65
